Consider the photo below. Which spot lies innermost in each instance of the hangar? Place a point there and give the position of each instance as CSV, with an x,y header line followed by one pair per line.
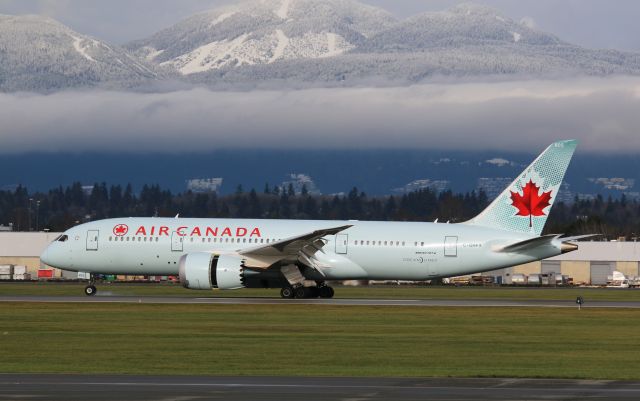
x,y
591,264
24,249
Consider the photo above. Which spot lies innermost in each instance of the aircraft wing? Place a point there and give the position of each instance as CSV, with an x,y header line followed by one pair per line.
x,y
301,247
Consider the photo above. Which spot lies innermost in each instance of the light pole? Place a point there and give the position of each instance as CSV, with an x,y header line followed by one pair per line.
x,y
29,214
37,214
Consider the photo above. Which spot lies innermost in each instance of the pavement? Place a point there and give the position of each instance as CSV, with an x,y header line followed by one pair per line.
x,y
184,388
105,298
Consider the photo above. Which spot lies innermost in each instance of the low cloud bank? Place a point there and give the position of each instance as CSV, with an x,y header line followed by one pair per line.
x,y
604,114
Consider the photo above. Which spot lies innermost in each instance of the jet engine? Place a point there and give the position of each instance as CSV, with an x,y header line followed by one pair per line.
x,y
204,271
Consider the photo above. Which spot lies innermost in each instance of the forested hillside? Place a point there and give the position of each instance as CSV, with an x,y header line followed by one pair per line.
x,y
61,208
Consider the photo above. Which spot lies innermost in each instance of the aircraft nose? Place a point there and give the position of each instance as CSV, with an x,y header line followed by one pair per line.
x,y
53,256
44,258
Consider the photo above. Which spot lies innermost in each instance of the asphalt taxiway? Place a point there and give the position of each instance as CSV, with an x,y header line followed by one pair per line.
x,y
533,303
123,388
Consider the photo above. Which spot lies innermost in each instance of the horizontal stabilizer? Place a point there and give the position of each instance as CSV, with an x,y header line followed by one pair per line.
x,y
531,243
579,237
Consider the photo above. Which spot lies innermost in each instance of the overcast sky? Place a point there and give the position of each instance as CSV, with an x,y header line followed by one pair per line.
x,y
592,23
525,116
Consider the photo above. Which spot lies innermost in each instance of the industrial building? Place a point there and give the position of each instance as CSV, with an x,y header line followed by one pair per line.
x,y
591,264
24,249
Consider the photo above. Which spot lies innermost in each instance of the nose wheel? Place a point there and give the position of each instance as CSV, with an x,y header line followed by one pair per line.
x,y
90,290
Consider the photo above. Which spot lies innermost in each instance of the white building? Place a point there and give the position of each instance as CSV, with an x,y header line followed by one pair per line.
x,y
298,182
204,185
24,249
426,183
590,264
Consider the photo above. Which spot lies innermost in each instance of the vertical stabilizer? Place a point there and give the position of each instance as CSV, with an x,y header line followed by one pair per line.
x,y
524,206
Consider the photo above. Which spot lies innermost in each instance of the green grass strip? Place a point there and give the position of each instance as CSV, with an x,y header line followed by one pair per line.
x,y
309,340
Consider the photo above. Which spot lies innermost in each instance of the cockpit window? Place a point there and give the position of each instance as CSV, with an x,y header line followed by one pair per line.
x,y
62,238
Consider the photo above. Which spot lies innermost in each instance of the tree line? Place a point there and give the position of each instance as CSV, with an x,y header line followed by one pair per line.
x,y
63,207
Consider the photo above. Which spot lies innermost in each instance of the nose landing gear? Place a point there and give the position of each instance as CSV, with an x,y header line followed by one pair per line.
x,y
91,289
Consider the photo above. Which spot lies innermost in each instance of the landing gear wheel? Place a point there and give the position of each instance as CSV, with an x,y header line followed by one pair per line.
x,y
287,292
90,290
301,292
326,292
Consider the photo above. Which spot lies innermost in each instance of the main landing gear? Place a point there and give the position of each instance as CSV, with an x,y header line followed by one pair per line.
x,y
323,291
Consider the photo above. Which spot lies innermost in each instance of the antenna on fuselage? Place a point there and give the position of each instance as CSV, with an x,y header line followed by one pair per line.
x,y
177,216
435,221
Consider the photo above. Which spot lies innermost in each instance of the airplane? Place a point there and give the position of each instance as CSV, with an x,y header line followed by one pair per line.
x,y
301,256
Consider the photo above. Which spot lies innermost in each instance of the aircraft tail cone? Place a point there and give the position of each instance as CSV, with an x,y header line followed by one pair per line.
x,y
567,247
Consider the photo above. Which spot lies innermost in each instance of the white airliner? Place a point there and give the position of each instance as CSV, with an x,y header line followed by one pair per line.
x,y
300,256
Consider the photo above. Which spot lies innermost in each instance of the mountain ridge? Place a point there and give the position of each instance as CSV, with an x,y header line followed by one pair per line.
x,y
41,53
298,43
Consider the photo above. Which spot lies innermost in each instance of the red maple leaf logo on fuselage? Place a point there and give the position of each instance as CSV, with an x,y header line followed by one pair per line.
x,y
531,202
120,230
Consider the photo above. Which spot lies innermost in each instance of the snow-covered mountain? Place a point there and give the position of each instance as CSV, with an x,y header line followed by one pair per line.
x,y
464,25
41,54
342,42
263,32
298,43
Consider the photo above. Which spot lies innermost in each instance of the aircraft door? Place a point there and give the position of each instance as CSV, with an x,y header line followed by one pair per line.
x,y
176,242
92,240
451,246
342,241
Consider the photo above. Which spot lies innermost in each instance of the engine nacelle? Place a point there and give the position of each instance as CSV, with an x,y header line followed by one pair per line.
x,y
204,271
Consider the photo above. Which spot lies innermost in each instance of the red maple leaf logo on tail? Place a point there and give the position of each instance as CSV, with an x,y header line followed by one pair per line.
x,y
531,203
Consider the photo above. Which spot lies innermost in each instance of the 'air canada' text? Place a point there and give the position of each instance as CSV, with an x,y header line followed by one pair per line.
x,y
185,231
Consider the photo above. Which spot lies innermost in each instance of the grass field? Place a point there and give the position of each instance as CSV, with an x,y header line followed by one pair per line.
x,y
319,340
395,292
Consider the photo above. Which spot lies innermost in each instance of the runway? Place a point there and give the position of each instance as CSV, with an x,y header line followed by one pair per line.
x,y
102,388
570,303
